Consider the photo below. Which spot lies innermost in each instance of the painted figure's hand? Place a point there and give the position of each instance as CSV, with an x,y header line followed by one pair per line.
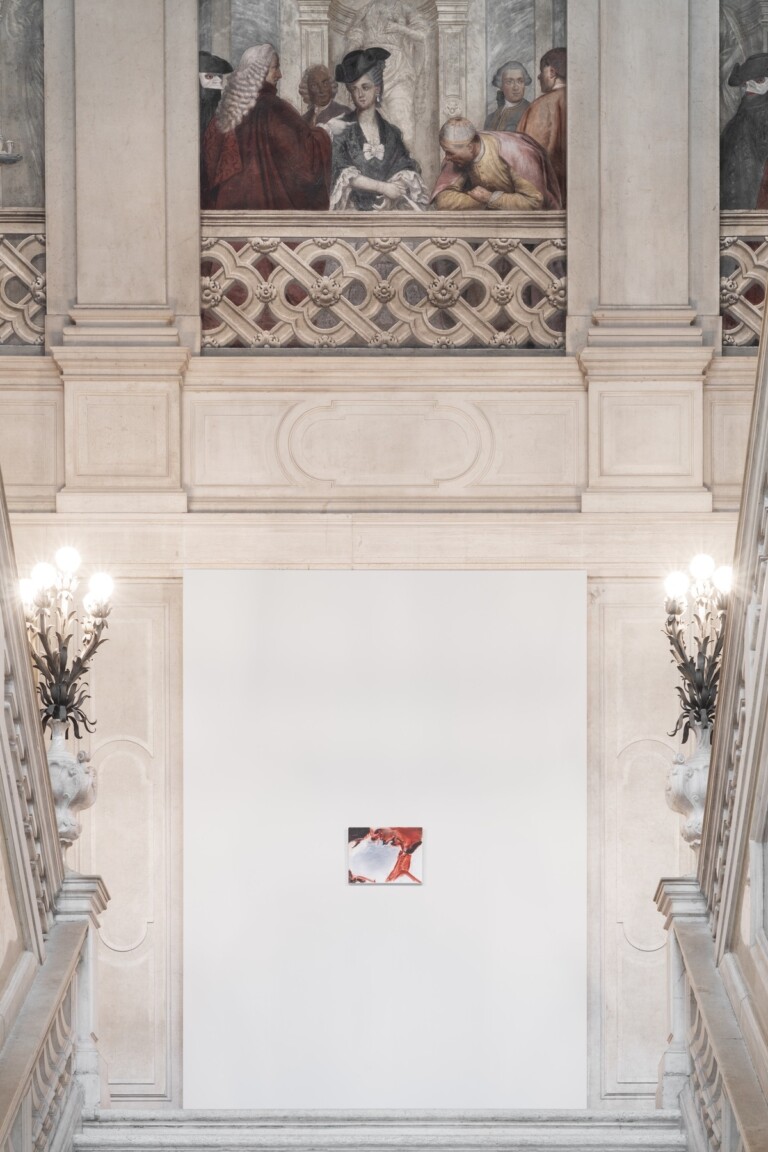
x,y
335,127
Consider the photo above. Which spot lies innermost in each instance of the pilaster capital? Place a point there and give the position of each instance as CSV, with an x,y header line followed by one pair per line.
x,y
117,361
452,11
315,11
121,324
635,325
616,363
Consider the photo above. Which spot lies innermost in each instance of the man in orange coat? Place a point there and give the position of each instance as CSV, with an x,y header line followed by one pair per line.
x,y
545,120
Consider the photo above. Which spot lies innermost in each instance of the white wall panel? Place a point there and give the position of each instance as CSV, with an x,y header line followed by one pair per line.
x,y
452,700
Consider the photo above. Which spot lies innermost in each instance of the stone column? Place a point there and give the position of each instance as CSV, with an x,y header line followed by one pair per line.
x,y
642,212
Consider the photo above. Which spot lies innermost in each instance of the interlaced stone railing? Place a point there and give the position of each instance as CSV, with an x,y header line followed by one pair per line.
x,y
22,277
383,280
743,276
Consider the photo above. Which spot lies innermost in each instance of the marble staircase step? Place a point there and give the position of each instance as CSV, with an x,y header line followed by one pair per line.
x,y
381,1131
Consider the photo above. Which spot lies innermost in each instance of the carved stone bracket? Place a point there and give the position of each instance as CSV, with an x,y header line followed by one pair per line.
x,y
687,786
73,781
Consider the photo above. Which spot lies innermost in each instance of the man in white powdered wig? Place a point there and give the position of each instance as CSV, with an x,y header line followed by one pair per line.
x,y
492,170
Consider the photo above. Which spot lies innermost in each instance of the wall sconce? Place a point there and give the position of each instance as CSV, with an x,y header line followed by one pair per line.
x,y
61,668
708,588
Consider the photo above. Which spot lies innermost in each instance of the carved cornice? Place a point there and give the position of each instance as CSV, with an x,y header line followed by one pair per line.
x,y
377,1131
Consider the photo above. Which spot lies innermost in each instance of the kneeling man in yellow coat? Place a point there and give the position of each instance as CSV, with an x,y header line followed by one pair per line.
x,y
492,170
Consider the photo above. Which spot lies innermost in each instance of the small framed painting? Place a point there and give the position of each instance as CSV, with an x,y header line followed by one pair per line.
x,y
384,855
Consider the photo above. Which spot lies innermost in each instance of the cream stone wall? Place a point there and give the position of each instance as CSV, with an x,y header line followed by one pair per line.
x,y
132,835
622,458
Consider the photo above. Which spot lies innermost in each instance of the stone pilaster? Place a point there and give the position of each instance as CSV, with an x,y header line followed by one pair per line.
x,y
646,429
123,250
122,441
643,160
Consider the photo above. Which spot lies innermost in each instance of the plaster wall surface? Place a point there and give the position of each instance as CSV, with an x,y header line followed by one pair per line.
x,y
444,700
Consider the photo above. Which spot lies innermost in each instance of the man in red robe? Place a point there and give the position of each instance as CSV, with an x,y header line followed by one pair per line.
x,y
258,152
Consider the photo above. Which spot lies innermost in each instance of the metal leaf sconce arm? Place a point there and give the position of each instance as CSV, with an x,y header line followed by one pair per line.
x,y
700,671
48,600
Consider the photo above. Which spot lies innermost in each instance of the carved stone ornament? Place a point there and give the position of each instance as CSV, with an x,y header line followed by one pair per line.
x,y
73,782
342,284
686,789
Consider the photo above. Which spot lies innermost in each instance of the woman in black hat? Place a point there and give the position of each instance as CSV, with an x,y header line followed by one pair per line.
x,y
372,168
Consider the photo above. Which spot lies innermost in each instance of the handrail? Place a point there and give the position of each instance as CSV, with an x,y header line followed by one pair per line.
x,y
350,225
722,853
32,827
37,1065
722,1101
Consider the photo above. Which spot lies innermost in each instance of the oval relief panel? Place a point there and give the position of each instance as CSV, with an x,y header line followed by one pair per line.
x,y
357,444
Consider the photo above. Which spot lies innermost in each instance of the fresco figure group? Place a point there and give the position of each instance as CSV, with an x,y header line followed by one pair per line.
x,y
258,153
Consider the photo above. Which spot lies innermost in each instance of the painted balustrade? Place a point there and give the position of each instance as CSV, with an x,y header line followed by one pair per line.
x,y
383,280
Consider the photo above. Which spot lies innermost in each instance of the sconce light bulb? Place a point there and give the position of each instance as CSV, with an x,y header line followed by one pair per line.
x,y
723,578
676,585
68,560
27,593
101,587
43,576
702,566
